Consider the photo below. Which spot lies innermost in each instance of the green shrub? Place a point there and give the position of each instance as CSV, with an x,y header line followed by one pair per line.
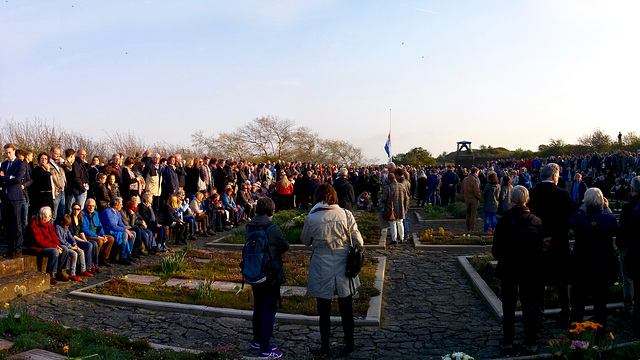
x,y
32,340
481,262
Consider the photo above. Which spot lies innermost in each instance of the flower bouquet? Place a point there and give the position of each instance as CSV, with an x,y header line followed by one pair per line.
x,y
457,356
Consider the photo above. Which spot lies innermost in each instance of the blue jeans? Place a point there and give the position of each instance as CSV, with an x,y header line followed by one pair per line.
x,y
58,206
71,198
127,244
490,221
55,260
90,249
147,239
265,298
191,220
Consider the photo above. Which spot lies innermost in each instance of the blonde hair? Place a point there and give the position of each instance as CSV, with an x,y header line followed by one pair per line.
x,y
285,181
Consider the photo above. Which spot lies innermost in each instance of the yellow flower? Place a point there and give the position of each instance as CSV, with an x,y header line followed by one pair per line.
x,y
6,305
611,335
65,349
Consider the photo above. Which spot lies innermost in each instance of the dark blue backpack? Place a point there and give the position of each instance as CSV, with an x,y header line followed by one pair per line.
x,y
256,262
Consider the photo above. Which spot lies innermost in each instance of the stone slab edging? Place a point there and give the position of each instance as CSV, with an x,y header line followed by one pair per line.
x,y
417,244
216,244
494,303
372,319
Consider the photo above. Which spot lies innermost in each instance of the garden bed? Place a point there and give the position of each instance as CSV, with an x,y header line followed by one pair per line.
x,y
224,266
482,274
452,211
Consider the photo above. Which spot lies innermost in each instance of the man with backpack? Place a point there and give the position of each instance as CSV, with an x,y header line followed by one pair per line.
x,y
262,268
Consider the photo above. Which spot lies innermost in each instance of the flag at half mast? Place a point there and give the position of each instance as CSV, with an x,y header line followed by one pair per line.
x,y
387,146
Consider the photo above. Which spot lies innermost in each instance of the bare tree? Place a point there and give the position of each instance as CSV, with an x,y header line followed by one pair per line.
x,y
597,141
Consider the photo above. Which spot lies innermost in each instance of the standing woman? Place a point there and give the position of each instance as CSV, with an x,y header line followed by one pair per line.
x,y
397,194
328,230
284,189
191,178
491,196
593,256
42,187
130,184
505,193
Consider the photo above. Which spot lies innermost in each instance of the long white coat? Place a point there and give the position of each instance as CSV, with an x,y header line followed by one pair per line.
x,y
325,230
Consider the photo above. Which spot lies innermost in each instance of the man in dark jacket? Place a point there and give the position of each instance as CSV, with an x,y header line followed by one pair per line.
x,y
553,205
517,245
629,246
449,182
346,195
12,177
267,293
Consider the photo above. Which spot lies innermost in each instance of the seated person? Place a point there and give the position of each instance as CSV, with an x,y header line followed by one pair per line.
x,y
197,209
67,241
113,225
185,214
90,247
363,201
92,228
170,218
149,220
41,239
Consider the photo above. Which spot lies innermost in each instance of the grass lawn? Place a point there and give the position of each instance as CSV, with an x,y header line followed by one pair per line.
x,y
225,266
28,332
442,237
291,223
452,211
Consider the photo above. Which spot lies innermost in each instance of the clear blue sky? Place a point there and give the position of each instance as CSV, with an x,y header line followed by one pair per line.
x,y
502,73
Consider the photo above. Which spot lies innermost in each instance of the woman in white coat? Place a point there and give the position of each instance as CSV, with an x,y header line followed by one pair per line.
x,y
327,229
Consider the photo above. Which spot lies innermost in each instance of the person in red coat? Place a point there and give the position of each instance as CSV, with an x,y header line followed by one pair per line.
x,y
42,240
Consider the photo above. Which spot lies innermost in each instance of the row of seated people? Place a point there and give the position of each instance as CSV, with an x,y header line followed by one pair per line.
x,y
78,244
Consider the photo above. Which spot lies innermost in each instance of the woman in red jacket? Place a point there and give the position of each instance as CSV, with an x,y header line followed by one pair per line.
x,y
284,190
42,240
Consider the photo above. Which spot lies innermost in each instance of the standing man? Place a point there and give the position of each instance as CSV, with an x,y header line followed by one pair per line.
x,y
170,181
205,173
471,192
346,196
267,292
153,180
629,245
449,182
12,178
77,180
59,179
553,206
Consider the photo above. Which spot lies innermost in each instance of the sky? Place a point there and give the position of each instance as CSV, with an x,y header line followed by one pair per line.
x,y
501,73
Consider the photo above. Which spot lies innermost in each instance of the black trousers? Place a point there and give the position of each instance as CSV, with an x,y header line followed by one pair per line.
x,y
345,305
527,292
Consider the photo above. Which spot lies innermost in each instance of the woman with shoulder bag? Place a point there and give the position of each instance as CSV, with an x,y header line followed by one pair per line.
x,y
396,197
329,229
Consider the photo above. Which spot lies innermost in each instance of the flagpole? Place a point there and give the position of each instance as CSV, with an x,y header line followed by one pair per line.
x,y
390,152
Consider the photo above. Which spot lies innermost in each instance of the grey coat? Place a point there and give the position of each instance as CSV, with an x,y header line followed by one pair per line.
x,y
326,231
491,195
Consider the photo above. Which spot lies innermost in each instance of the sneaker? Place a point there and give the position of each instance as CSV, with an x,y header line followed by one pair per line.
x,y
74,278
270,355
104,262
256,346
86,273
52,280
393,243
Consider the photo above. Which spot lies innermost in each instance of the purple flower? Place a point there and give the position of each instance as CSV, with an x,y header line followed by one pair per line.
x,y
579,344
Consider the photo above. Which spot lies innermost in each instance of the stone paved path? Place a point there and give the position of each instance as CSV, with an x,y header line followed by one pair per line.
x,y
430,309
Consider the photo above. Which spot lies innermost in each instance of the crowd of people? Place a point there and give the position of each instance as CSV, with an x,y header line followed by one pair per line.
x,y
83,214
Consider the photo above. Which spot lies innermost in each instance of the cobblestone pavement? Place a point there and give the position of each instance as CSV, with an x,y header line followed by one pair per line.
x,y
430,309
